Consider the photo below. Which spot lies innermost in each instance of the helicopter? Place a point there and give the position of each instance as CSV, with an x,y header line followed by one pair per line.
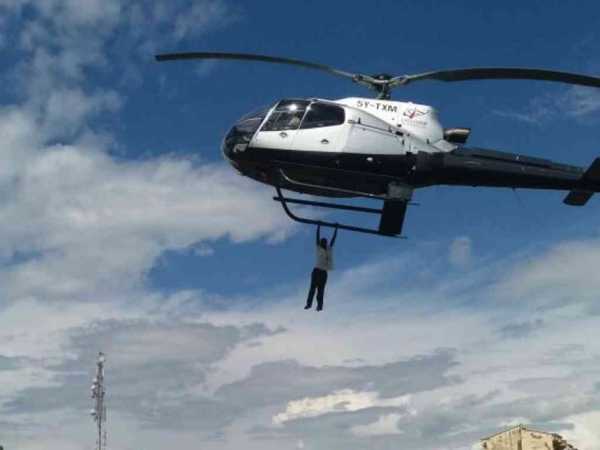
x,y
382,149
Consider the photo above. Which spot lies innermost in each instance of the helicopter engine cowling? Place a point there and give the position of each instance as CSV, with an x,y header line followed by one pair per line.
x,y
418,120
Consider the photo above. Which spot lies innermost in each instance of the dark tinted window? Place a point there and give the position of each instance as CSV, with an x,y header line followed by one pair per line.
x,y
323,115
250,122
286,116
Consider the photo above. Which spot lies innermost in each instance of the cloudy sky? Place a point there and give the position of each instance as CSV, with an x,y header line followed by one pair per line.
x,y
123,230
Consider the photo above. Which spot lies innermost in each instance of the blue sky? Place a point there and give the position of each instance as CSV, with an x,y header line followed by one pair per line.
x,y
123,230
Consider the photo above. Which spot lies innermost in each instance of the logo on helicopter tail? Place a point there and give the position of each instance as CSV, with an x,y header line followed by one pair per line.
x,y
411,113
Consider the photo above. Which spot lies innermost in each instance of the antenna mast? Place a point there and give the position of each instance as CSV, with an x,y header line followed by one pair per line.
x,y
99,411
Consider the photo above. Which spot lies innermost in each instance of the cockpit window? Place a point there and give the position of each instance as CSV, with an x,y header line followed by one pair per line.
x,y
323,115
251,121
286,116
242,132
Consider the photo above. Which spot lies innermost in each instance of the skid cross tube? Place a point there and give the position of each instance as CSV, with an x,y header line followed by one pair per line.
x,y
280,198
331,205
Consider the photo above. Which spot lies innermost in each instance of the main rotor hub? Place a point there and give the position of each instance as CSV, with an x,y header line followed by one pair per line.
x,y
382,83
382,76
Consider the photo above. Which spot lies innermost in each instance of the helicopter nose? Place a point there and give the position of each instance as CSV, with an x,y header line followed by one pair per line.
x,y
227,148
233,144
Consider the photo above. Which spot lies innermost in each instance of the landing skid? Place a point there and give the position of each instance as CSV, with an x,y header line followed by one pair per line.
x,y
382,231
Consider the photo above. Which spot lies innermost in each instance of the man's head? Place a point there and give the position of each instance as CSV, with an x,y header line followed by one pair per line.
x,y
323,242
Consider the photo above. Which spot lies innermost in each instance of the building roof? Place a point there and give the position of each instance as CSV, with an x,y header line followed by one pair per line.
x,y
521,427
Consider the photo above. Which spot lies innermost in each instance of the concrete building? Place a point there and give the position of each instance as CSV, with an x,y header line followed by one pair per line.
x,y
523,438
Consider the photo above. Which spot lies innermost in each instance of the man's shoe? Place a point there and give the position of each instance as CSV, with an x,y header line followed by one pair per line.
x,y
319,308
307,307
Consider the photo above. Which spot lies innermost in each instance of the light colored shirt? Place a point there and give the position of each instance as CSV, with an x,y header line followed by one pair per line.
x,y
324,258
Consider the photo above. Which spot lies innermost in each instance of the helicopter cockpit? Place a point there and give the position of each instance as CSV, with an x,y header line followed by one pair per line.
x,y
276,124
287,116
303,114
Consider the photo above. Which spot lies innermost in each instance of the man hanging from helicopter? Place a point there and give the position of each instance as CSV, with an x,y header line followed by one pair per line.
x,y
324,263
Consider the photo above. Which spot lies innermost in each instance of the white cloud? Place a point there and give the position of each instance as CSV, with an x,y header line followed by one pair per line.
x,y
530,116
94,223
513,422
585,433
202,16
577,102
385,425
534,380
580,101
563,273
66,110
460,252
205,68
84,12
346,400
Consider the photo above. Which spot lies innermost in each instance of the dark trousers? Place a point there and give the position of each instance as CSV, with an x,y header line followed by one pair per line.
x,y
318,279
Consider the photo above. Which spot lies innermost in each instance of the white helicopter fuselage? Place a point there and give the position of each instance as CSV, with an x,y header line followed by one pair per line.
x,y
369,127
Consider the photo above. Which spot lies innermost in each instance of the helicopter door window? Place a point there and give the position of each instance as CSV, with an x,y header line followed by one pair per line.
x,y
323,115
286,116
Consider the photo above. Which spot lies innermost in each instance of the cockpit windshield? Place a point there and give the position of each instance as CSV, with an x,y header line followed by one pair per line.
x,y
287,115
241,133
251,121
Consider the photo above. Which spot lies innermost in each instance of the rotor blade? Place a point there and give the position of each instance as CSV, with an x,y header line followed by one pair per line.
x,y
252,57
508,73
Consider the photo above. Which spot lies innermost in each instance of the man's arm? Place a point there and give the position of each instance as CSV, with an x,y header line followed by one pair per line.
x,y
334,235
318,233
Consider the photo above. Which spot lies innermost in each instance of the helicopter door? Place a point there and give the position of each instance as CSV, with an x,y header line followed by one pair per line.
x,y
321,128
280,129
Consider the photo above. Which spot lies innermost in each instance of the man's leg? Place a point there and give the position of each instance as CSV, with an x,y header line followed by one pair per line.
x,y
311,291
321,289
